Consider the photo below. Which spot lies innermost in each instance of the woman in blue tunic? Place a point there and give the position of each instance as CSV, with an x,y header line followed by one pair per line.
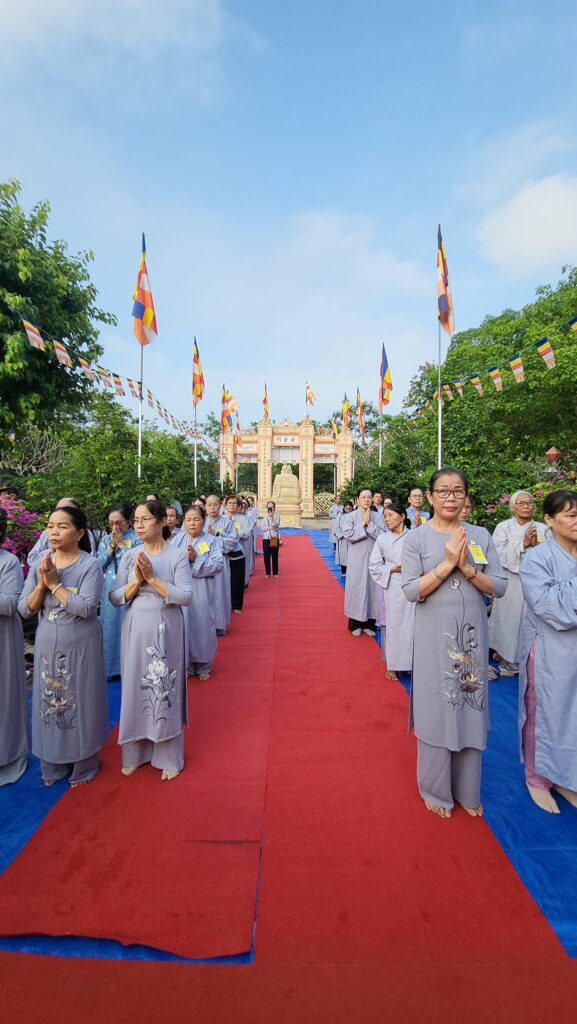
x,y
548,656
206,563
110,550
13,704
155,584
69,705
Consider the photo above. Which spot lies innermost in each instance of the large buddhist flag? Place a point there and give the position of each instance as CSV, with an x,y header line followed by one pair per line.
x,y
237,430
386,384
334,429
346,413
309,396
265,402
34,336
145,328
444,296
197,376
360,414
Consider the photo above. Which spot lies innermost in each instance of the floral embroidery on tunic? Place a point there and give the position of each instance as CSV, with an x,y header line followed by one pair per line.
x,y
463,683
58,697
159,681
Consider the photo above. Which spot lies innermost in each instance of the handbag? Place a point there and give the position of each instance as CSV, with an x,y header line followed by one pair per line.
x,y
273,542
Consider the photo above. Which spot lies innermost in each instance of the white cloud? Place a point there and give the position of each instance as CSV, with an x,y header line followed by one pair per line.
x,y
535,229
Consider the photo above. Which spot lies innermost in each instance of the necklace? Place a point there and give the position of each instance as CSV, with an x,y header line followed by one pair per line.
x,y
66,564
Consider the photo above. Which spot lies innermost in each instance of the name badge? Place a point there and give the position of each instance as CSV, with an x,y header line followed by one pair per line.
x,y
202,547
237,526
477,553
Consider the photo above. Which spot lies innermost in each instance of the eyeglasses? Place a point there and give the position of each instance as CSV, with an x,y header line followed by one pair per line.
x,y
145,519
526,504
444,492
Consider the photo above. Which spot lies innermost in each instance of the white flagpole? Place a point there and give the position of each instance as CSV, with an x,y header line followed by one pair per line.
x,y
439,406
195,449
139,460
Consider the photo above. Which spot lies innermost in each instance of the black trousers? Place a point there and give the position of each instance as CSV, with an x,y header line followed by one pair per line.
x,y
237,582
354,624
270,554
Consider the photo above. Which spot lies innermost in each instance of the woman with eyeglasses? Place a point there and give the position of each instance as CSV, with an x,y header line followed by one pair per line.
x,y
547,656
69,700
270,529
154,584
447,569
113,545
512,538
13,699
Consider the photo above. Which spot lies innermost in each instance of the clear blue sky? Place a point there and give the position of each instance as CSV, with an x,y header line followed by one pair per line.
x,y
289,164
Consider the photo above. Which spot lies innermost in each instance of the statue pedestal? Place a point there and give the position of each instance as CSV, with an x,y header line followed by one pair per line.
x,y
290,515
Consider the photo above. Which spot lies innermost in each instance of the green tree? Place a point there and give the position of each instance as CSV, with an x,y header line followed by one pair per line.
x,y
41,282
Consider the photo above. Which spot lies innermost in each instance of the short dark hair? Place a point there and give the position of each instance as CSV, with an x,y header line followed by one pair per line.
x,y
558,501
195,508
80,522
449,471
361,489
3,524
396,506
120,506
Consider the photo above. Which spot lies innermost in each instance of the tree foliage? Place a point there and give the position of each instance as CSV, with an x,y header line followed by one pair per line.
x,y
41,282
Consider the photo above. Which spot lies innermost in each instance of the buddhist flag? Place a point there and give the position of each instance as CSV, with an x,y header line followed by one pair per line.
x,y
495,375
104,377
174,423
197,376
165,414
144,325
516,364
159,409
448,392
386,384
61,353
459,386
572,323
85,367
265,402
437,397
150,398
476,382
334,429
546,352
360,415
34,336
309,397
346,413
429,405
132,388
119,390
237,431
444,296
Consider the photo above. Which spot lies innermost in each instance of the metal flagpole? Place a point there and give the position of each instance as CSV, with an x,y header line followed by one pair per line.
x,y
440,406
195,449
380,450
139,460
196,482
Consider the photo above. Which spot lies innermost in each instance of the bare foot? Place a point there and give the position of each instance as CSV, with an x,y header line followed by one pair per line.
x,y
167,776
544,799
441,812
568,794
203,676
392,675
81,782
475,812
129,771
48,782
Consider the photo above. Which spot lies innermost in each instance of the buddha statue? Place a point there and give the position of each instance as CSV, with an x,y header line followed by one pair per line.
x,y
286,488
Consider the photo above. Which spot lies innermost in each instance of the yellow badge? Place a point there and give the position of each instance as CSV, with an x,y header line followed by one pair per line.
x,y
127,543
202,547
237,525
73,590
477,553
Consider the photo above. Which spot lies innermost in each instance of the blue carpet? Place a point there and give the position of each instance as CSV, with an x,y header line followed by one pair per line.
x,y
541,847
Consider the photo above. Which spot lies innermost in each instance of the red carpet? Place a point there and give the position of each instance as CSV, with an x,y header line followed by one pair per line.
x,y
369,908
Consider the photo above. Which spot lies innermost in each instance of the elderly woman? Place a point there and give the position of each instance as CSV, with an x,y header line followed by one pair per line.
x,y
447,568
13,709
110,550
206,563
547,655
512,539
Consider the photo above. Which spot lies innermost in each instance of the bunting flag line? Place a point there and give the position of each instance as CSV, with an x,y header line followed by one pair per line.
x,y
104,377
459,386
159,409
197,376
516,364
438,398
495,375
150,399
86,368
265,402
144,323
448,392
476,382
61,353
118,389
132,388
386,384
546,352
309,396
346,413
360,415
444,296
34,336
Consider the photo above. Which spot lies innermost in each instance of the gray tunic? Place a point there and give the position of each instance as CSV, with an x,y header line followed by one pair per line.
x,y
208,565
69,703
341,551
549,581
13,711
507,613
224,531
360,589
152,650
334,512
397,633
450,652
